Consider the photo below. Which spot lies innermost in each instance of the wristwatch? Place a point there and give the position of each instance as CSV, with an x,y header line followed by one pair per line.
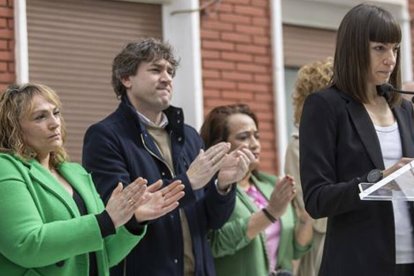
x,y
374,176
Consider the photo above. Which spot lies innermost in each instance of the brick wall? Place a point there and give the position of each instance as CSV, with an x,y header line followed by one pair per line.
x,y
7,72
237,64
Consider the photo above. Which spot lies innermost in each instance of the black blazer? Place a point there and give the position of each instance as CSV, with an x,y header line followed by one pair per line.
x,y
338,147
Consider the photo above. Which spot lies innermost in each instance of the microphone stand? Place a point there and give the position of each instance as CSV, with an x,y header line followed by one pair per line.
x,y
386,88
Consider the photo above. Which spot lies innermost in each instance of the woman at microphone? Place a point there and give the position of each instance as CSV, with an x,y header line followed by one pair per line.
x,y
353,135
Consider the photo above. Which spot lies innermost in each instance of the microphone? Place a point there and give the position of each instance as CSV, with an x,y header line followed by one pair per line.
x,y
386,89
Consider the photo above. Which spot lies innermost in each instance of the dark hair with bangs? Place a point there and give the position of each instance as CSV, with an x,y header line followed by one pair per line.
x,y
363,24
215,129
126,63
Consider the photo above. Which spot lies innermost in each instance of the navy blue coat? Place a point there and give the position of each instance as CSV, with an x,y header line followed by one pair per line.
x,y
119,148
338,147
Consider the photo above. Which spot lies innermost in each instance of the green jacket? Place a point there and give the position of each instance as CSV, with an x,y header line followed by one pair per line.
x,y
41,230
236,254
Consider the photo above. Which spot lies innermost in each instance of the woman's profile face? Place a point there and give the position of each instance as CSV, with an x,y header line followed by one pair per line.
x,y
243,132
41,127
383,58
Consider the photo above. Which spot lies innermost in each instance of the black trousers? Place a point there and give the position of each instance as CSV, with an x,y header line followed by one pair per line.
x,y
404,270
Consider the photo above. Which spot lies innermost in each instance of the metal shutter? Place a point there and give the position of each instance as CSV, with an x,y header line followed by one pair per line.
x,y
71,47
303,45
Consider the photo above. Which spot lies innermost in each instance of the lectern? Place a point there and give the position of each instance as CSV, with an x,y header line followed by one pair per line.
x,y
397,186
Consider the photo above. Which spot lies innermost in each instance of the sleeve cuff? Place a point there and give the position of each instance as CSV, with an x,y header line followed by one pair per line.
x,y
134,227
222,192
105,223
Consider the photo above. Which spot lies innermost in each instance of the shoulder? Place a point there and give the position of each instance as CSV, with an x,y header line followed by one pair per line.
x,y
330,95
9,160
12,167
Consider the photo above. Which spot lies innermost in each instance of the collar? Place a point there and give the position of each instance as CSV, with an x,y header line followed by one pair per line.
x,y
148,122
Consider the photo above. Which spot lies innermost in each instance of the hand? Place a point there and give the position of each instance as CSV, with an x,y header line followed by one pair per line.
x,y
207,163
160,202
282,194
234,167
124,201
401,163
301,213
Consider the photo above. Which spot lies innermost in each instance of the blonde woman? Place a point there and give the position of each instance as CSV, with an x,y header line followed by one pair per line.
x,y
311,78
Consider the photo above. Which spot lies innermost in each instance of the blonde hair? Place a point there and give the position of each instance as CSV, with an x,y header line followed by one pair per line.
x,y
15,104
311,77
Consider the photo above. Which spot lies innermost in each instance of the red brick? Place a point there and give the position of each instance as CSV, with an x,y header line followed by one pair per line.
x,y
263,59
252,49
245,2
11,44
225,7
234,56
210,15
208,93
218,64
266,126
261,3
235,37
6,56
216,45
4,44
3,66
216,102
263,78
261,40
6,77
249,10
216,25
11,67
3,3
227,75
6,34
210,54
251,68
234,18
253,87
263,115
237,95
6,12
262,97
211,74
10,23
3,87
209,34
261,21
10,3
3,22
220,84
250,30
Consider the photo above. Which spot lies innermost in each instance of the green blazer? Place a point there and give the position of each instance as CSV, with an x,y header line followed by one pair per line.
x,y
236,254
41,230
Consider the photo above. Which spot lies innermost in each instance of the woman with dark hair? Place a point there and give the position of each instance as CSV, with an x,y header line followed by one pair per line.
x,y
263,234
52,219
355,134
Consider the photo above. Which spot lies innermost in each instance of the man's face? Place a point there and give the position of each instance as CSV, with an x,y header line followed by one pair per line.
x,y
150,90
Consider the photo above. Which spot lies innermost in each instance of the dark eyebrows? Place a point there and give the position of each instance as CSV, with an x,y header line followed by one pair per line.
x,y
159,65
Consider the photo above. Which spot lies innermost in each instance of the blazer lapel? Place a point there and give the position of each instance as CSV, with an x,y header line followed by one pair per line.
x,y
366,132
48,181
82,183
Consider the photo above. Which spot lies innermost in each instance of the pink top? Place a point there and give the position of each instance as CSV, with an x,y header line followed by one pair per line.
x,y
272,232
